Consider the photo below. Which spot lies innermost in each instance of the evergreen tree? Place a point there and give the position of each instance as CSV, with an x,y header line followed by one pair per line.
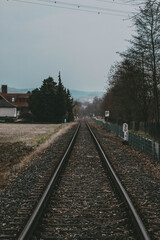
x,y
60,101
51,103
42,102
48,100
35,104
69,107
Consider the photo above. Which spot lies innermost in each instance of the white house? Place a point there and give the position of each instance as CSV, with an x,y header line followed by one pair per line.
x,y
7,109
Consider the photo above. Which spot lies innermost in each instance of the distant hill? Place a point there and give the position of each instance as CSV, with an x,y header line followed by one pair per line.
x,y
16,90
81,96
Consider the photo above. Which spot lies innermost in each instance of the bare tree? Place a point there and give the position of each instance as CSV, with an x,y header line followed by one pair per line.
x,y
147,45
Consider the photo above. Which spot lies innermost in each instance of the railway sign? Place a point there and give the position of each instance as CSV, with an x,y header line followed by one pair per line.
x,y
106,113
125,127
106,116
125,130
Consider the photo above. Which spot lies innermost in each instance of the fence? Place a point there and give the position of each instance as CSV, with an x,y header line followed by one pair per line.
x,y
152,128
147,146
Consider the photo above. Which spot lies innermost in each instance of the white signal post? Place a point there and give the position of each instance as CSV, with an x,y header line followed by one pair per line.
x,y
106,115
125,130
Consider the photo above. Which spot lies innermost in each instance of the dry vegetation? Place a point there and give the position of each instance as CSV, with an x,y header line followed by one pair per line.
x,y
30,134
21,143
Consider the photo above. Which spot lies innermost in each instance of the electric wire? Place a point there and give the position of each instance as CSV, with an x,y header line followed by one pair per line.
x,y
113,2
72,6
84,6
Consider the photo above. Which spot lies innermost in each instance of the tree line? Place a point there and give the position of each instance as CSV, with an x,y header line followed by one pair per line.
x,y
52,102
134,82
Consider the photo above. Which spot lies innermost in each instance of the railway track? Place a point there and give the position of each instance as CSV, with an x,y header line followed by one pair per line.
x,y
81,199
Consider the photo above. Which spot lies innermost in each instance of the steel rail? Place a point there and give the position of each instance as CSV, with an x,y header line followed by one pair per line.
x,y
31,224
143,234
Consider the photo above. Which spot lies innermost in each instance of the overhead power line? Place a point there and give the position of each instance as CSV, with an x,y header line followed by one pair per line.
x,y
84,6
114,2
78,7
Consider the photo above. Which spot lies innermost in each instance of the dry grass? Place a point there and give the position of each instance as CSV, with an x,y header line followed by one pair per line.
x,y
21,144
30,134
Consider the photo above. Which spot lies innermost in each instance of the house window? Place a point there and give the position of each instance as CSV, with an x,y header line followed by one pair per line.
x,y
13,99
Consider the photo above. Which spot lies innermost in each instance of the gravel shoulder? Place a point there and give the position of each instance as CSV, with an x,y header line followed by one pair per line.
x,y
140,176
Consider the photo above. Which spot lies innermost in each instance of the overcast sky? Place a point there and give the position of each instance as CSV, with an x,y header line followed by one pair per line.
x,y
38,41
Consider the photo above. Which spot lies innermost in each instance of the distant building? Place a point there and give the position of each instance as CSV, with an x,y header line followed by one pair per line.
x,y
7,110
20,100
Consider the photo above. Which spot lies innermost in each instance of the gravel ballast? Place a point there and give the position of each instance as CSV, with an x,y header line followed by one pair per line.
x,y
22,185
139,174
